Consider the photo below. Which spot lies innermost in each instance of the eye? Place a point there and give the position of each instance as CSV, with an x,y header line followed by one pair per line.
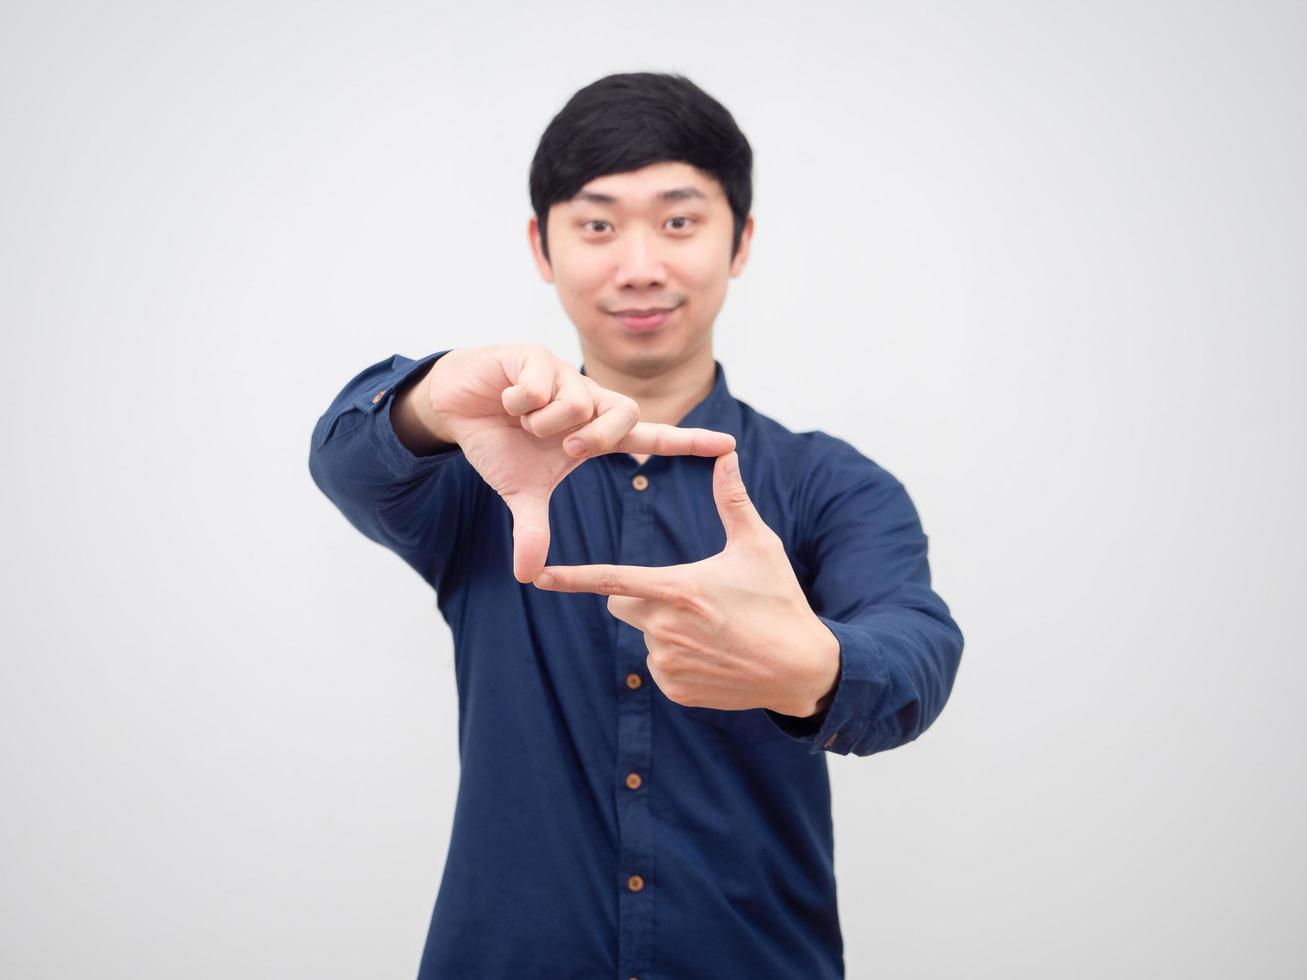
x,y
685,218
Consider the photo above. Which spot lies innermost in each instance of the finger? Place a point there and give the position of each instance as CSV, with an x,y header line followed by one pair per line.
x,y
661,439
533,380
571,406
630,610
617,414
530,534
641,581
734,506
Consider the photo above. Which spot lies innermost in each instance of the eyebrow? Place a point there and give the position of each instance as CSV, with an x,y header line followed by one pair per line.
x,y
672,194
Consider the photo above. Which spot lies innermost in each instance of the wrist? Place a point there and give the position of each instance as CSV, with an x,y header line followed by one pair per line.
x,y
820,677
415,420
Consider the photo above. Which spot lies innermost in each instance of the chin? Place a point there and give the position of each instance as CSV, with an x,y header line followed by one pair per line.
x,y
648,364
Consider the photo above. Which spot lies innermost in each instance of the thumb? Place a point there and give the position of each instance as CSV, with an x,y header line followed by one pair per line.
x,y
530,535
736,510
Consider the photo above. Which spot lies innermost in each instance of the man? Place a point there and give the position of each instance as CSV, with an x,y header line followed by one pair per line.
x,y
662,631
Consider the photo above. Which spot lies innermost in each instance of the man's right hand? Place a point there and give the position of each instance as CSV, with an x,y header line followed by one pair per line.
x,y
510,407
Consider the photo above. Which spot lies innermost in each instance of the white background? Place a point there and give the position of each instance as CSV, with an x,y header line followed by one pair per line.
x,y
1043,262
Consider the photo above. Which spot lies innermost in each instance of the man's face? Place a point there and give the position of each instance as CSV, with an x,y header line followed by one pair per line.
x,y
654,238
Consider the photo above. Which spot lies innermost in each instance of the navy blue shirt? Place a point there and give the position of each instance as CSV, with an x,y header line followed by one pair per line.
x,y
602,829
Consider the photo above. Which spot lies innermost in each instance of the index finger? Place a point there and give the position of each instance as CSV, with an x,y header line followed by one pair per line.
x,y
662,439
641,581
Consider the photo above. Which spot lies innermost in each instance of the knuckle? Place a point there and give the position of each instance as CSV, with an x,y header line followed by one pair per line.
x,y
675,692
658,626
534,393
737,497
685,595
579,410
670,660
600,442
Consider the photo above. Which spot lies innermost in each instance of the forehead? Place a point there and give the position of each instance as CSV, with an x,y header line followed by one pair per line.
x,y
650,186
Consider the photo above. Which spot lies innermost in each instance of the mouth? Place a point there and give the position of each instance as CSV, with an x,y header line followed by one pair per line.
x,y
643,321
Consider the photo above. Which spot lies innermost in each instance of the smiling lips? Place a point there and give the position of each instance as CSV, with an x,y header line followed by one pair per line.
x,y
643,321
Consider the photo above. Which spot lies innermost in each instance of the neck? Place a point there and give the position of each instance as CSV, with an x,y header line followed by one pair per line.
x,y
664,397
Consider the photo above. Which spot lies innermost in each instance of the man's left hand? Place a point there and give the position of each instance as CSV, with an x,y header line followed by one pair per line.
x,y
732,631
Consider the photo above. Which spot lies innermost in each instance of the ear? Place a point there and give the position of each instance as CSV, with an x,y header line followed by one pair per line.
x,y
537,252
742,256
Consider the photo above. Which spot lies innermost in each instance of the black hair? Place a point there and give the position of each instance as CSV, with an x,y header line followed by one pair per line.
x,y
627,121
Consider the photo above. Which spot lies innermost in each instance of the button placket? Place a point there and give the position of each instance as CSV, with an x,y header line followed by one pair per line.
x,y
634,749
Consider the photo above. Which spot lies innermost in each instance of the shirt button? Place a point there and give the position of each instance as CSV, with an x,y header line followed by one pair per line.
x,y
633,780
633,681
635,883
830,741
377,397
639,481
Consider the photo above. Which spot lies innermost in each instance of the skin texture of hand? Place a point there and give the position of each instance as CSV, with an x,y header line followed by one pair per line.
x,y
732,631
510,407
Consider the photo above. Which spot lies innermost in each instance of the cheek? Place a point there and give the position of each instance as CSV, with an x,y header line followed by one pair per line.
x,y
572,293
579,277
579,297
707,267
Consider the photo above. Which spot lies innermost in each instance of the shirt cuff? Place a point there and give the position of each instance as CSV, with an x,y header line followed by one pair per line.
x,y
398,461
859,692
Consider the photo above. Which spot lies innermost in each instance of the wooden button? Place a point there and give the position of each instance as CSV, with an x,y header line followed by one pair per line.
x,y
639,481
830,741
635,883
377,397
633,780
633,681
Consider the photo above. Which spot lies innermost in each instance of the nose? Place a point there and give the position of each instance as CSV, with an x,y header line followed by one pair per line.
x,y
640,262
